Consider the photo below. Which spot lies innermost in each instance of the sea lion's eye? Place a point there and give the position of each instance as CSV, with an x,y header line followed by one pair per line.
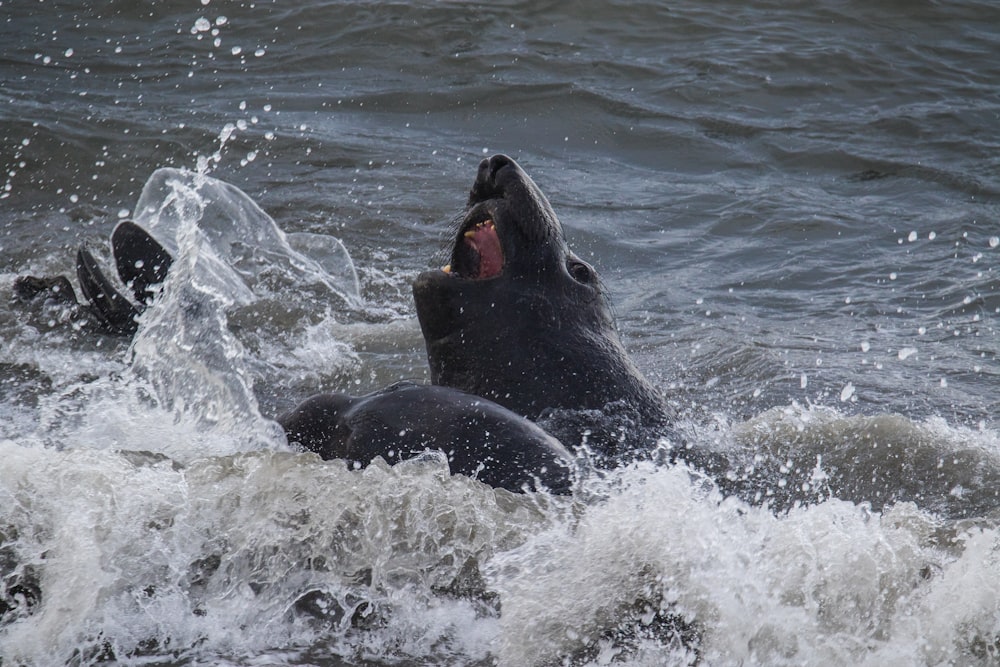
x,y
581,272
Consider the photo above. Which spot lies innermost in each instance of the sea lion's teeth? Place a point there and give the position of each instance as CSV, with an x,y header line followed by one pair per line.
x,y
446,268
476,228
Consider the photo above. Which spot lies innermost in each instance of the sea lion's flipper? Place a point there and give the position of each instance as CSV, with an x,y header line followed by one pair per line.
x,y
141,261
114,312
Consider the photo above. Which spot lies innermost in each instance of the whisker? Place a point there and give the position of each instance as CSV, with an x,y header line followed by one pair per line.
x,y
443,254
456,223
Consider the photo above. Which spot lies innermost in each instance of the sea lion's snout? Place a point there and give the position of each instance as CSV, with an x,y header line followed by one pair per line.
x,y
488,178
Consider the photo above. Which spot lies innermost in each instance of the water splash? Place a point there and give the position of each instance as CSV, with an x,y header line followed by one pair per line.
x,y
155,514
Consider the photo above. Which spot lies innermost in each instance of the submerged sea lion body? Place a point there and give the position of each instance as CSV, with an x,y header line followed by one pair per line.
x,y
480,438
516,317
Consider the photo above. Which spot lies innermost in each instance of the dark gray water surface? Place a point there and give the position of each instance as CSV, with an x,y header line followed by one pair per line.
x,y
796,207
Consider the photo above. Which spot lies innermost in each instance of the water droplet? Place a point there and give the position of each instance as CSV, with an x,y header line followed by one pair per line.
x,y
912,237
847,392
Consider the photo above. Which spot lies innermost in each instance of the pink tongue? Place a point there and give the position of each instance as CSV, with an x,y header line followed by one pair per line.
x,y
486,242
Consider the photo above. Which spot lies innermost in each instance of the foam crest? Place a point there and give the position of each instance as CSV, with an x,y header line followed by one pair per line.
x,y
664,558
135,553
795,453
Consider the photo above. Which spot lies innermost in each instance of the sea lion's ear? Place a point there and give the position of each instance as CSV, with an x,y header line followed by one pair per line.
x,y
141,261
114,312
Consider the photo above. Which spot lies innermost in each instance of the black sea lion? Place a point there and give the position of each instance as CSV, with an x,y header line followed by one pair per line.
x,y
480,438
516,317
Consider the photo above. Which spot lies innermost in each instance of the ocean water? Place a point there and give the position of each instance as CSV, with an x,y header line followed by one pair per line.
x,y
795,206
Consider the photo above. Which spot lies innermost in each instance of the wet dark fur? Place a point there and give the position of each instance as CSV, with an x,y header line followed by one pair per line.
x,y
480,438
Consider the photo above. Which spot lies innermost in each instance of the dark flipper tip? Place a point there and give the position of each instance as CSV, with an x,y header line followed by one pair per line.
x,y
110,307
141,261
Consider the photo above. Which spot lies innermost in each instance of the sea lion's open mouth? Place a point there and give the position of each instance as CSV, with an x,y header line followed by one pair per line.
x,y
478,254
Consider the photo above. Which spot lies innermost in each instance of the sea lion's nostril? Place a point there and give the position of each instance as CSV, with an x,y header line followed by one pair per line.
x,y
496,163
484,170
487,176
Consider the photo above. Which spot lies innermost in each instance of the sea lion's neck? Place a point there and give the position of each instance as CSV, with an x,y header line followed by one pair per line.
x,y
531,353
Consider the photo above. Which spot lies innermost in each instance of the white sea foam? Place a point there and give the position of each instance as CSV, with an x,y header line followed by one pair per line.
x,y
129,548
